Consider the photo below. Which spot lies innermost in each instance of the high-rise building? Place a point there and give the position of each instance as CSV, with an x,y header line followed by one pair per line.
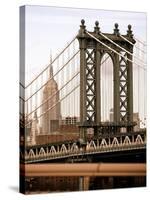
x,y
51,105
111,115
34,130
136,119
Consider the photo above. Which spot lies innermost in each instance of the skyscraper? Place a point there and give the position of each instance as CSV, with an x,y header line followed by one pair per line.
x,y
51,105
34,129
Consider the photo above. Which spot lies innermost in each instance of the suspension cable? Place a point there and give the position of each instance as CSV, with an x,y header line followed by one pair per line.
x,y
106,92
74,38
53,76
126,40
53,105
54,94
22,85
140,41
58,91
21,98
132,43
120,46
145,99
113,50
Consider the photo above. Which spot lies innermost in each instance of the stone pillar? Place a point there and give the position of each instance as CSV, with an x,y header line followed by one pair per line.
x,y
98,87
86,183
81,183
130,79
130,89
82,46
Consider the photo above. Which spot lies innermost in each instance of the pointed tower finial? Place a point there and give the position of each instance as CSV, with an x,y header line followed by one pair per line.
x,y
116,30
82,28
96,28
51,67
129,31
35,115
50,56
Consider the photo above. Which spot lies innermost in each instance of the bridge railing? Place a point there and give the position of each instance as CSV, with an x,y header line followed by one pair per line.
x,y
92,147
84,169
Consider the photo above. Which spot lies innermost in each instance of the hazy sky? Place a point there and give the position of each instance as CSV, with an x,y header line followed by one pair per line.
x,y
50,28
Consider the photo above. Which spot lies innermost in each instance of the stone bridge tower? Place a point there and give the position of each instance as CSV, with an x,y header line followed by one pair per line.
x,y
91,53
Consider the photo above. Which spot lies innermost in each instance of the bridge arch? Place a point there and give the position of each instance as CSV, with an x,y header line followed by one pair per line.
x,y
139,140
103,143
52,150
92,144
31,153
74,147
115,142
63,148
127,141
42,151
107,86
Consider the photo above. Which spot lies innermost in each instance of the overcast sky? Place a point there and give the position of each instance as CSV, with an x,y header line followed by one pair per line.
x,y
50,28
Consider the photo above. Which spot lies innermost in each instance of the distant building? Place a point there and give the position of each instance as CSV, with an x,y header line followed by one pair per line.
x,y
69,120
27,131
111,115
35,130
51,107
137,120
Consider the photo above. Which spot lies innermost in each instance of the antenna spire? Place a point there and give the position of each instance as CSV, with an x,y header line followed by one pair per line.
x,y
51,67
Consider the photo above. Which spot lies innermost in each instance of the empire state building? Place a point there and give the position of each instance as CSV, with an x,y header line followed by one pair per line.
x,y
51,105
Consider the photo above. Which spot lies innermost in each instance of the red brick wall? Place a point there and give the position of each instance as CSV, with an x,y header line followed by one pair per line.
x,y
68,128
43,139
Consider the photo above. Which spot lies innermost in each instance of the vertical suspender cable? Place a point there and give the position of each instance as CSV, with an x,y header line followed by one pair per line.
x,y
102,93
105,91
61,94
41,97
31,100
138,85
106,71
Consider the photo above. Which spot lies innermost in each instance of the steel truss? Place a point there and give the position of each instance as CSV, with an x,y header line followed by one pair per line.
x,y
93,45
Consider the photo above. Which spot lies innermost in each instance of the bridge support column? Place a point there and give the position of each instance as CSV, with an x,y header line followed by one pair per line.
x,y
110,182
82,44
84,183
116,91
81,183
130,93
82,133
97,86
